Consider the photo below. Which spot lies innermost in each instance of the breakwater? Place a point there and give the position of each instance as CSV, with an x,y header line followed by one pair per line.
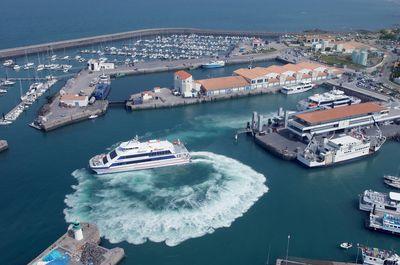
x,y
58,45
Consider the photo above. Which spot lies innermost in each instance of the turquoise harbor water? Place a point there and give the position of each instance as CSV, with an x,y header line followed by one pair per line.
x,y
228,207
233,203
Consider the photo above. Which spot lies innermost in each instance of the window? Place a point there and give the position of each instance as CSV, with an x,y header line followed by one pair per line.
x,y
143,160
105,160
113,154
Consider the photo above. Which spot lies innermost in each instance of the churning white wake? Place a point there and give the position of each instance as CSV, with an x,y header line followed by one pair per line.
x,y
169,204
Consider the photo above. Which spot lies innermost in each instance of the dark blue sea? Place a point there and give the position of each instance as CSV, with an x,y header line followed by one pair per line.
x,y
235,204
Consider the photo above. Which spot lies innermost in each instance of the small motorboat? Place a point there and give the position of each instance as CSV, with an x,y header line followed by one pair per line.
x,y
392,181
94,116
346,245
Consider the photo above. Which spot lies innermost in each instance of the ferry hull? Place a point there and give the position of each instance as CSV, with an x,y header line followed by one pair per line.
x,y
380,229
140,166
311,164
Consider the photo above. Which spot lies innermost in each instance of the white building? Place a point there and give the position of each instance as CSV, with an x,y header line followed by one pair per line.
x,y
72,100
359,57
96,65
289,74
184,84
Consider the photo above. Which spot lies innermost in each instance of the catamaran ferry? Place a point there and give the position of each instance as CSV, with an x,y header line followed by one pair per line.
x,y
302,87
332,99
135,155
340,149
381,201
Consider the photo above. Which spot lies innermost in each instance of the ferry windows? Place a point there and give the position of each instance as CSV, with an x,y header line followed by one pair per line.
x,y
105,160
113,154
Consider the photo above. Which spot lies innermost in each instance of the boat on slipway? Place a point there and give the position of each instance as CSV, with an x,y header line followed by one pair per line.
x,y
135,155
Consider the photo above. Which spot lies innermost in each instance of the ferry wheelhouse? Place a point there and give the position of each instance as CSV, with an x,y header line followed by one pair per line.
x,y
135,155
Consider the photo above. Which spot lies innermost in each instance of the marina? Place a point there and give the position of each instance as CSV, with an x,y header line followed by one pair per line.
x,y
79,246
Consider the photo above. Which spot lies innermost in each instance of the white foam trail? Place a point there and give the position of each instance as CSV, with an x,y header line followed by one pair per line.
x,y
171,204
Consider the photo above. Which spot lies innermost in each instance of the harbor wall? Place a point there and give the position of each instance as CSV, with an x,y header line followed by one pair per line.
x,y
58,45
364,95
80,116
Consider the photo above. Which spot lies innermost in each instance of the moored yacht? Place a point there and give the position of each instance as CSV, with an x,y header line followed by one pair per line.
x,y
299,88
332,99
381,201
213,64
135,155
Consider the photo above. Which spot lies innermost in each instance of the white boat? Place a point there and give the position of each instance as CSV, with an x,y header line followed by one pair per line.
x,y
299,88
340,149
370,199
392,181
5,122
7,83
375,256
94,116
2,91
135,155
28,66
346,245
8,63
332,99
40,67
213,64
17,67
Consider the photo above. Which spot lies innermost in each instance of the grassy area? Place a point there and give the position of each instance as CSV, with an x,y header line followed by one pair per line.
x,y
340,61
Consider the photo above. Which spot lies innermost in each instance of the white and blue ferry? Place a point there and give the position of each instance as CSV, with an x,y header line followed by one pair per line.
x,y
135,155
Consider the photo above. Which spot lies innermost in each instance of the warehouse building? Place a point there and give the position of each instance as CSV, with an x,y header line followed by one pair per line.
x,y
223,85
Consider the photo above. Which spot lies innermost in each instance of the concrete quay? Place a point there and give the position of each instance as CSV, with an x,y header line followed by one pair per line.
x,y
80,252
303,261
59,45
54,116
165,99
3,145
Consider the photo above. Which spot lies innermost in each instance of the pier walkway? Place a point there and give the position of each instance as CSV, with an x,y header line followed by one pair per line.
x,y
59,45
303,261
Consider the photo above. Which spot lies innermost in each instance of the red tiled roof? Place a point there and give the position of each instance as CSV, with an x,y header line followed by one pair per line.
x,y
321,116
183,74
223,83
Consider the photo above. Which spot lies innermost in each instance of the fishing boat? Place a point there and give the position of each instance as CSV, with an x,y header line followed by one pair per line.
x,y
392,181
346,245
375,256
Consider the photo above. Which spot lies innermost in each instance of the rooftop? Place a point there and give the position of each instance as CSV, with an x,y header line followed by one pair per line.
x,y
322,116
72,97
183,74
223,82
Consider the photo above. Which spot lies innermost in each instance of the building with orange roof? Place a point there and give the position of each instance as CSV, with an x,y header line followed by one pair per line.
x,y
289,74
73,100
184,84
223,85
337,119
